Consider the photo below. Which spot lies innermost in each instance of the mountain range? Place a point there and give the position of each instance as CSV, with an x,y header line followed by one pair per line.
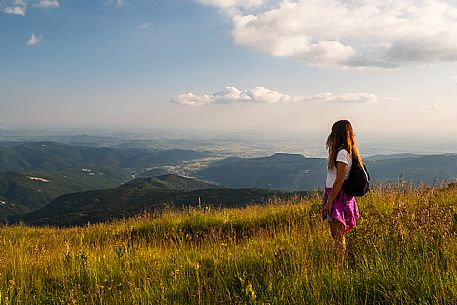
x,y
59,184
143,195
57,156
295,172
33,174
279,171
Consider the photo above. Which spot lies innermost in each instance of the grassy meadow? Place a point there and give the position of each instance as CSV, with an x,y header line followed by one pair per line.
x,y
403,251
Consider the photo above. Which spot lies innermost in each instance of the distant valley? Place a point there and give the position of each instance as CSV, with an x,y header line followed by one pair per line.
x,y
33,174
62,184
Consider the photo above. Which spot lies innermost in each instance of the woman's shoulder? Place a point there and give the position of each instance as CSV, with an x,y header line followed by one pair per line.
x,y
343,155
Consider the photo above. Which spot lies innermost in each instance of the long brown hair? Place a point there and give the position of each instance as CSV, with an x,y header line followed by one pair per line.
x,y
341,137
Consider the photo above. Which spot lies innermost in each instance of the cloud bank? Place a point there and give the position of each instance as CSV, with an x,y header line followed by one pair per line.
x,y
264,95
347,33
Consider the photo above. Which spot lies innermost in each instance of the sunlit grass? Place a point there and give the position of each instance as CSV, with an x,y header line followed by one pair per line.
x,y
403,251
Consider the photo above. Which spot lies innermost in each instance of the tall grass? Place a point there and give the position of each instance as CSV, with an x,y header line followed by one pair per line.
x,y
403,251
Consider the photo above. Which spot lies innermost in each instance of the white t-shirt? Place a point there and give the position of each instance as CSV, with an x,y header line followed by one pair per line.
x,y
342,156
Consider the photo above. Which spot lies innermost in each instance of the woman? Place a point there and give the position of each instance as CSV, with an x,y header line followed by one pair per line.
x,y
340,209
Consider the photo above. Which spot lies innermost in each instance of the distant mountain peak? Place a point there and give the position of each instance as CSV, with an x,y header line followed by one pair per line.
x,y
287,156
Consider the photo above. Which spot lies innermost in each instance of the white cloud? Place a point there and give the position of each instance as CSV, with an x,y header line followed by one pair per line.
x,y
116,2
34,40
144,26
264,95
343,98
349,33
15,7
16,10
48,4
19,7
232,94
230,4
193,100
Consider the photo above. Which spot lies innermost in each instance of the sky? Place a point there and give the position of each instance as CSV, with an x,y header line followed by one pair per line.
x,y
277,67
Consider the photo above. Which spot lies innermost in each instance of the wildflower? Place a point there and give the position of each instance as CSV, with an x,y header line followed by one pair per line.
x,y
197,266
250,292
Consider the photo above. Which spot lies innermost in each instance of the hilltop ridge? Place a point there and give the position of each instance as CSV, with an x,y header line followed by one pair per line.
x,y
143,195
57,156
295,172
168,181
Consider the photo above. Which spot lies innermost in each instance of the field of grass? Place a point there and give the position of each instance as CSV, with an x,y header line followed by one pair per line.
x,y
403,251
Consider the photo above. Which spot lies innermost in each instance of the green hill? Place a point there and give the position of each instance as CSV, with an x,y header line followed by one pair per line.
x,y
140,195
428,168
24,192
295,172
168,181
68,169
55,156
279,171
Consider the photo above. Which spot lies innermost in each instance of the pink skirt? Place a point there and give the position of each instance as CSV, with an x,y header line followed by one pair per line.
x,y
344,209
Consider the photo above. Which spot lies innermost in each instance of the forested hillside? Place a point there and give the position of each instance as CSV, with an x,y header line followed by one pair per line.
x,y
143,195
295,172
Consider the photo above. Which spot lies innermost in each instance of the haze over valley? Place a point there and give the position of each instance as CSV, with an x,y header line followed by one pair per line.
x,y
42,172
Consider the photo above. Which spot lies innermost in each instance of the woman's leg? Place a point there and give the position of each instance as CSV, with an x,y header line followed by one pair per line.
x,y
337,230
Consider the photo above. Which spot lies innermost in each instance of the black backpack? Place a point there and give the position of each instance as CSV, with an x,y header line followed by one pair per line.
x,y
357,182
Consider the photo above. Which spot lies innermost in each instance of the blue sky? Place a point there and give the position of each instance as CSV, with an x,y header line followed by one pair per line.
x,y
275,66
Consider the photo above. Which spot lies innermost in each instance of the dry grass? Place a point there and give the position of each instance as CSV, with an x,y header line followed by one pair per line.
x,y
402,252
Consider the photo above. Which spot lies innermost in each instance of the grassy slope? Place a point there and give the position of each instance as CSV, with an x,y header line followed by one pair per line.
x,y
402,252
